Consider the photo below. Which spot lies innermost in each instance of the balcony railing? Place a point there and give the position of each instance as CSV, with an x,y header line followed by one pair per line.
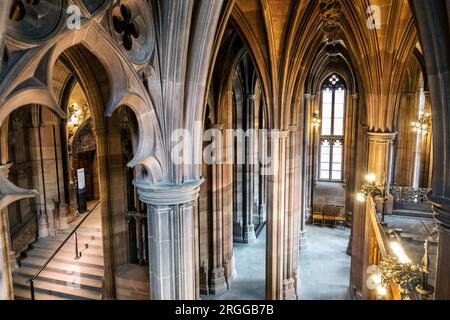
x,y
411,199
379,248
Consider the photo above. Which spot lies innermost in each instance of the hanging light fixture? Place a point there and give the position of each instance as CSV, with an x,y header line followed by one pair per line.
x,y
316,120
423,125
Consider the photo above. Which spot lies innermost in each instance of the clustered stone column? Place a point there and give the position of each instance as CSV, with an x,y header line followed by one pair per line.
x,y
293,216
310,136
6,255
426,164
5,5
379,161
217,273
276,216
171,219
441,208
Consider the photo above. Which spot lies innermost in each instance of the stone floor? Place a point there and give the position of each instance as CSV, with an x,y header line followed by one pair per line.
x,y
324,267
251,272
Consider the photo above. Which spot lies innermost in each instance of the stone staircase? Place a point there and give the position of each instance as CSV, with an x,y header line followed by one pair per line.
x,y
65,278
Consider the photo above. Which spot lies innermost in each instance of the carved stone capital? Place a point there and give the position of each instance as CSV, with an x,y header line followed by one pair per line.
x,y
381,137
277,134
168,194
218,126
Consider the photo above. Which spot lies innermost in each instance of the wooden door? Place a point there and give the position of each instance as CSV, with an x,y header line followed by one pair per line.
x,y
85,161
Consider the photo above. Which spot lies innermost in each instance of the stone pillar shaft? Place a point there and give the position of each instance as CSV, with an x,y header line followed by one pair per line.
x,y
217,273
6,281
249,171
379,155
292,220
276,216
441,208
172,248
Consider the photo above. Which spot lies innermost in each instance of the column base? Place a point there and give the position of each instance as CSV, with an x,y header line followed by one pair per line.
x,y
43,226
63,217
249,235
289,290
349,247
230,272
303,245
13,261
218,284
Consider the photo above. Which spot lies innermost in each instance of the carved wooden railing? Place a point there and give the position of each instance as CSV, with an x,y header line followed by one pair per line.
x,y
414,199
379,248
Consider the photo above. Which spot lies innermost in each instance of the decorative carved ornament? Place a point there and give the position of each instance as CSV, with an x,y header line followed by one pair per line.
x,y
331,13
125,24
35,21
132,26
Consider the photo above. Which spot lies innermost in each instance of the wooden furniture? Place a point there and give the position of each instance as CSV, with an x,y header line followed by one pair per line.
x,y
339,217
328,215
317,214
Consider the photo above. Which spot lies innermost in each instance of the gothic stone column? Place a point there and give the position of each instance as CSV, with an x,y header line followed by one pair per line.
x,y
308,173
217,274
276,215
5,6
292,219
379,161
433,23
441,208
6,256
171,221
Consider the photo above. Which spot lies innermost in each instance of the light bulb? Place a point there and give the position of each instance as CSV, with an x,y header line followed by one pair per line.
x,y
382,291
399,252
360,197
74,120
376,278
371,177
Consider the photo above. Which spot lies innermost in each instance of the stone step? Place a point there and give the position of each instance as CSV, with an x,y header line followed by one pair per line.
x,y
82,263
67,257
24,294
58,290
69,251
54,244
62,278
84,236
85,272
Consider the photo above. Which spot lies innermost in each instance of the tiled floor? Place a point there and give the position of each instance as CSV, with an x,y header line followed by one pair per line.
x,y
324,267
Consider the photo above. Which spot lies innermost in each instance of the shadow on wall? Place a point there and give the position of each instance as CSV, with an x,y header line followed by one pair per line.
x,y
329,193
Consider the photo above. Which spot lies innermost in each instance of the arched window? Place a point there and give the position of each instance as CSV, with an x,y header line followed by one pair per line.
x,y
332,130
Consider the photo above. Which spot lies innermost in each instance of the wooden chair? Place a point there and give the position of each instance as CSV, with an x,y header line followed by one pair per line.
x,y
329,215
340,216
317,214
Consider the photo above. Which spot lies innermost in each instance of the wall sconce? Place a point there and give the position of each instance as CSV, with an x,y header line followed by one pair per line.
x,y
316,120
370,189
77,114
423,125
